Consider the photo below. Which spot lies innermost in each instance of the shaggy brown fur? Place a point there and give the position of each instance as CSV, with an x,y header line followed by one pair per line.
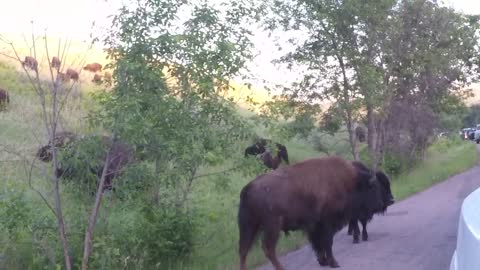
x,y
93,67
314,195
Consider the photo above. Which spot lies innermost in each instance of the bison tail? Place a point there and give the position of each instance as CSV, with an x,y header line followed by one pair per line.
x,y
247,225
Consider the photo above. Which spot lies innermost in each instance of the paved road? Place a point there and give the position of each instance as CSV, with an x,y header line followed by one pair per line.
x,y
418,233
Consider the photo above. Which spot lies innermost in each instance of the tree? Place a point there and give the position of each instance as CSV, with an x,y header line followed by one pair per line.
x,y
172,63
383,51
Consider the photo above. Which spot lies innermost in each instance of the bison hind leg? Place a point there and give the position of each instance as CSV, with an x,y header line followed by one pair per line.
x,y
270,238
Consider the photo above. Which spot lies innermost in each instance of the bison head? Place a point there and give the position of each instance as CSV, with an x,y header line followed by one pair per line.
x,y
385,191
373,192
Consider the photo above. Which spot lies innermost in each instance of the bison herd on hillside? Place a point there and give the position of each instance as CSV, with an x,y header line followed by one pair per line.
x,y
319,196
63,77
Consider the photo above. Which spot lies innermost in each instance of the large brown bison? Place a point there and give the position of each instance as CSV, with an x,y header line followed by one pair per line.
x,y
318,196
31,63
93,67
4,98
56,63
363,213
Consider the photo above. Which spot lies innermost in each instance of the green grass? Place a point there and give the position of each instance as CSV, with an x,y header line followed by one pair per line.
x,y
217,203
442,162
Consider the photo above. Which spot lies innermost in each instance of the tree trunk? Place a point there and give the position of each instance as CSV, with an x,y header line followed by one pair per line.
x,y
371,136
87,245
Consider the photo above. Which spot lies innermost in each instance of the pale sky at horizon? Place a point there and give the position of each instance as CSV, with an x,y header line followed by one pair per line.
x,y
73,19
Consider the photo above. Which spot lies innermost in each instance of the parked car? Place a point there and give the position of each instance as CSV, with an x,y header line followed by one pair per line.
x,y
466,255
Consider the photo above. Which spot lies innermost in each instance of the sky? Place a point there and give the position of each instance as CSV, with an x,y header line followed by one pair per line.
x,y
73,19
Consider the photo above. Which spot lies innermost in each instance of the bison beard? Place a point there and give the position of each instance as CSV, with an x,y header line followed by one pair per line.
x,y
317,196
362,212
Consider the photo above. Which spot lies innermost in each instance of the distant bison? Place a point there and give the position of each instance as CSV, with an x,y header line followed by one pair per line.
x,y
363,213
360,133
108,77
317,196
93,67
254,149
72,74
4,98
56,63
80,156
97,78
31,63
61,140
273,162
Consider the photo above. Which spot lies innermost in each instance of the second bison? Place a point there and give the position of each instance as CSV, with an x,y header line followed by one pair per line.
x,y
318,196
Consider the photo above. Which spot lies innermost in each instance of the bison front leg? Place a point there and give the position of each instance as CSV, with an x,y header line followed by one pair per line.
x,y
364,230
353,226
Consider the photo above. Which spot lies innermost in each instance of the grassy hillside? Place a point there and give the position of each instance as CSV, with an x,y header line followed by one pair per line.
x,y
215,243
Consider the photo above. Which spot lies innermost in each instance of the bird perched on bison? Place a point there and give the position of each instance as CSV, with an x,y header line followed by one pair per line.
x,y
362,212
317,196
93,67
4,98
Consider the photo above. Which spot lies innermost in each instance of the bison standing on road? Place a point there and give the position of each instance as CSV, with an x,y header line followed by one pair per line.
x,y
93,67
317,196
4,98
363,213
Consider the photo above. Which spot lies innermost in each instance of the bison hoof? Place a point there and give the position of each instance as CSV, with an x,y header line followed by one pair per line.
x,y
365,237
356,241
322,261
333,263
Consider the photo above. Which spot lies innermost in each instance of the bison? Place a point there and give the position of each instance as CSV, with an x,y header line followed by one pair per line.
x,y
91,159
360,134
56,63
4,98
108,77
71,74
61,140
273,162
31,63
254,149
97,78
317,196
93,67
363,213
